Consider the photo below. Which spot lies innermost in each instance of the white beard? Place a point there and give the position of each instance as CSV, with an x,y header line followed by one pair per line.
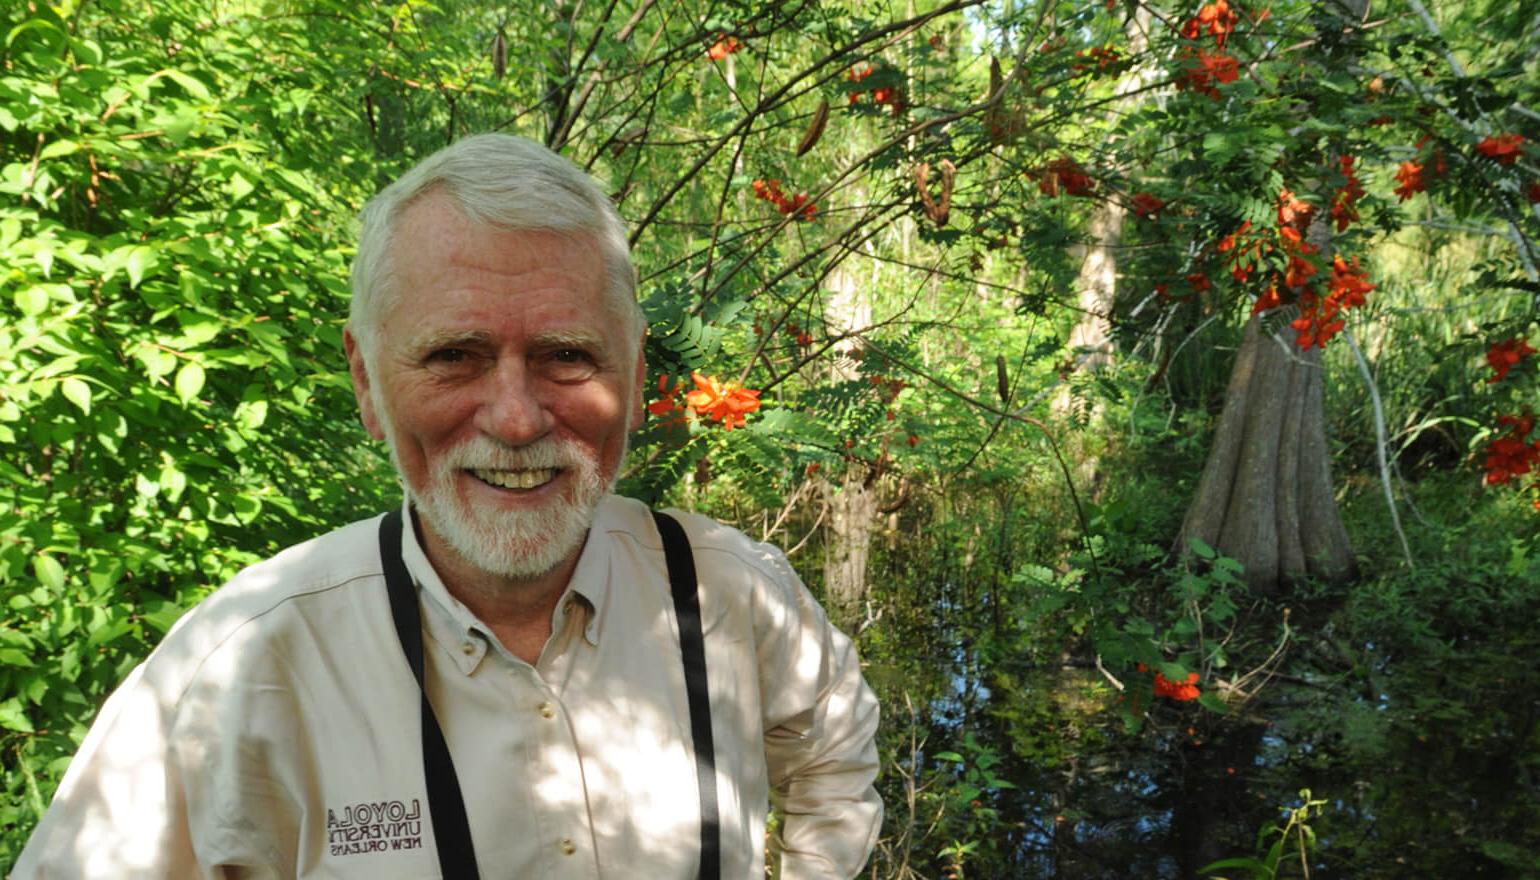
x,y
516,544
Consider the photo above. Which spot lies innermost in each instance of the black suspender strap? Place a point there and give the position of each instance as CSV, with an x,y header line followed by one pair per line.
x,y
692,646
446,806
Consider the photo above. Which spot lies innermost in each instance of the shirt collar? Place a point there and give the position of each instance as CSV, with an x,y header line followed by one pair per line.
x,y
463,634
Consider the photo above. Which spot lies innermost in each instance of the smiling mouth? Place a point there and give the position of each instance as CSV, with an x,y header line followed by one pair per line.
x,y
515,479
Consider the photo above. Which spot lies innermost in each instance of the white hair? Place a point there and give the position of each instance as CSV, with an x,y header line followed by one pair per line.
x,y
499,180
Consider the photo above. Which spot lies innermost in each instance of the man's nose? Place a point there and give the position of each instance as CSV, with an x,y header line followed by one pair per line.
x,y
512,410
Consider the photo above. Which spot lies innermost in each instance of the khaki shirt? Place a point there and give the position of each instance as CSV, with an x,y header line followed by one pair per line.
x,y
274,733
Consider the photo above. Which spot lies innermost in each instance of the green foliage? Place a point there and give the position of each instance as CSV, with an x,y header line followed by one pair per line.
x,y
174,401
1294,838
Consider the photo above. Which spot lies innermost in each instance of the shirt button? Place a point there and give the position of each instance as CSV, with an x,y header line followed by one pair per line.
x,y
468,648
568,847
547,710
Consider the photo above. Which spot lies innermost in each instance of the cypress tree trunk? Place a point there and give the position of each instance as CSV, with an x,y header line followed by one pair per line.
x,y
1265,497
852,516
853,500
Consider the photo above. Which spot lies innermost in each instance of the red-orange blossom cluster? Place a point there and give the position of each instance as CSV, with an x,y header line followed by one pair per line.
x,y
1212,69
798,205
1182,692
1512,454
726,402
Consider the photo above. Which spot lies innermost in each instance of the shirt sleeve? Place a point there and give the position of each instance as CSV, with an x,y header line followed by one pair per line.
x,y
117,812
146,795
820,743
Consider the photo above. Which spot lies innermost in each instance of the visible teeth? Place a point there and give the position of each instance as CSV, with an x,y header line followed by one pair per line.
x,y
515,479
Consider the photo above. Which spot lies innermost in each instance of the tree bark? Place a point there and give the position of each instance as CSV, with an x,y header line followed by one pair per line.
x,y
852,513
1097,285
1265,498
853,501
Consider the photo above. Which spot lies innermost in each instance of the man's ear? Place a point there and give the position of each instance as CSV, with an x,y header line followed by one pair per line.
x,y
638,410
360,375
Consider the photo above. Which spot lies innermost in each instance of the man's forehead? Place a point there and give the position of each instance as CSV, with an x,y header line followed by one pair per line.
x,y
436,216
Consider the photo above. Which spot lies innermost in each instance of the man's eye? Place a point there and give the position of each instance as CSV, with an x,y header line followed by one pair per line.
x,y
448,356
571,365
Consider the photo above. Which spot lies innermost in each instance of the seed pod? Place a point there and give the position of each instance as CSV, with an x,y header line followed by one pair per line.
x,y
921,185
814,128
948,176
938,212
1001,384
499,54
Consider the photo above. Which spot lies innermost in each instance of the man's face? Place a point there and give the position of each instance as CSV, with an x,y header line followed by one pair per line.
x,y
505,383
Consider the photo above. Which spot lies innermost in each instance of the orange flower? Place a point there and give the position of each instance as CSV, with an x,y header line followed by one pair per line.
x,y
1212,71
1220,20
1298,272
727,402
1268,300
1064,174
797,205
1228,243
722,48
1146,205
1348,283
1292,212
1510,455
667,407
1344,208
1506,355
1183,692
1318,321
1409,176
889,95
1104,56
1504,148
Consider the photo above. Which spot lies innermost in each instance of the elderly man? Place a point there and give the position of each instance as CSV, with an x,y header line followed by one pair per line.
x,y
519,674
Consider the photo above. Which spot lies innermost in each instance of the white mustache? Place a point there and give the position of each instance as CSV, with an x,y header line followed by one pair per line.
x,y
483,453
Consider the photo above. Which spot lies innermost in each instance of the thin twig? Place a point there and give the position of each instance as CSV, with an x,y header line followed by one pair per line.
x,y
1379,444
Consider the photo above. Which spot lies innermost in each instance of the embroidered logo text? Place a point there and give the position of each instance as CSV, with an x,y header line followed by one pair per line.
x,y
374,826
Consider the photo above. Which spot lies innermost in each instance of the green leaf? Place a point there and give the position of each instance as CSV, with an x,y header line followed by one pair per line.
x,y
192,85
76,391
140,259
949,756
189,381
239,187
32,301
13,657
1212,702
1201,548
157,361
13,717
48,571
1246,863
160,614
57,149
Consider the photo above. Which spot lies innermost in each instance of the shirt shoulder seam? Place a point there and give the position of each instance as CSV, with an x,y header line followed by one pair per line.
x,y
235,629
